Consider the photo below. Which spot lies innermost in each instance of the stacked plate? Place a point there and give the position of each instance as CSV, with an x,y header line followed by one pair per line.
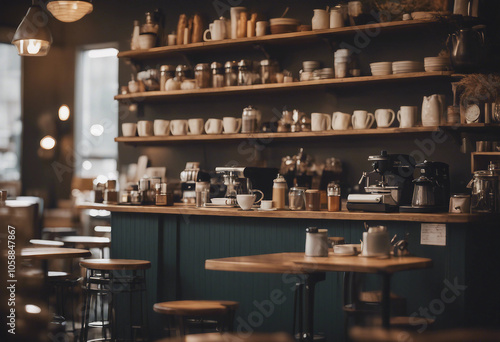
x,y
436,63
381,68
401,67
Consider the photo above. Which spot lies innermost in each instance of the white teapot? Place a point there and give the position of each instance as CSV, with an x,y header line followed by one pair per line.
x,y
432,110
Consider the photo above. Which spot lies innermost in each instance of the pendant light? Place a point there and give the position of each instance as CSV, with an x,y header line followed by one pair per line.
x,y
69,11
33,37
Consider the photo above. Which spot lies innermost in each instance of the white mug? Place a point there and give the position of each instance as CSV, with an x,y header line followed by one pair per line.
x,y
231,125
266,205
384,117
178,127
341,121
361,119
213,126
145,128
161,127
407,116
217,30
261,28
195,126
320,122
129,129
320,19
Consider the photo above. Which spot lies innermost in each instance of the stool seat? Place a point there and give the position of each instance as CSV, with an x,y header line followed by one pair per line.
x,y
46,243
88,241
115,264
57,275
195,307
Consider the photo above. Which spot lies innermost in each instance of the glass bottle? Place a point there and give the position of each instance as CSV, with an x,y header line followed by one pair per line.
x,y
134,43
150,26
279,192
333,194
202,75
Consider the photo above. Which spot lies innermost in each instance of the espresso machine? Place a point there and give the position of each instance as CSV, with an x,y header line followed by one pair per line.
x,y
387,186
431,192
240,179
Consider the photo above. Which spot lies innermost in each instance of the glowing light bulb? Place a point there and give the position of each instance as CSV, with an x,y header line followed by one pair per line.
x,y
34,46
33,309
63,113
47,142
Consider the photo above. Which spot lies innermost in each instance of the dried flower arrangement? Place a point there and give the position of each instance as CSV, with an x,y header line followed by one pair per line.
x,y
396,8
476,88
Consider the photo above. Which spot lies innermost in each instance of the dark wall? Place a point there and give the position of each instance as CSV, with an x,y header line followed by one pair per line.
x,y
49,82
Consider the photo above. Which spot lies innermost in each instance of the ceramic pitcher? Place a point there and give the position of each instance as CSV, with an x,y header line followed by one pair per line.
x,y
431,110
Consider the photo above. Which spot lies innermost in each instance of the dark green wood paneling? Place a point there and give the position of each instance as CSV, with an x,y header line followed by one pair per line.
x,y
180,244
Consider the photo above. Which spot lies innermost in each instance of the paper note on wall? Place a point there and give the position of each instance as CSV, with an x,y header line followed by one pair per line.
x,y
433,234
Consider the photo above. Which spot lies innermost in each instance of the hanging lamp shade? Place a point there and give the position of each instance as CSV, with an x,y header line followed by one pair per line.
x,y
33,37
69,11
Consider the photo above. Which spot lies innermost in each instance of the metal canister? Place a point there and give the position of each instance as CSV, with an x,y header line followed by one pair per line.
x,y
202,75
230,74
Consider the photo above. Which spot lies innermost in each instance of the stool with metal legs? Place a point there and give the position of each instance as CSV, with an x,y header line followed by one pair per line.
x,y
105,279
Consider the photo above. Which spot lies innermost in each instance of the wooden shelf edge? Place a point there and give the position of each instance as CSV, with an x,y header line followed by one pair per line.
x,y
180,209
268,137
485,153
273,38
164,95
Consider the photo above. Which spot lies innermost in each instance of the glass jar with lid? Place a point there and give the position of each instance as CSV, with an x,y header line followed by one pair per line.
x,y
202,75
217,75
268,70
166,72
245,76
230,74
182,72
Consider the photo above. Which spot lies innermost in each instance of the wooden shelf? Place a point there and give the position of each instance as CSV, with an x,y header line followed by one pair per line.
x,y
180,209
151,96
274,39
268,137
481,160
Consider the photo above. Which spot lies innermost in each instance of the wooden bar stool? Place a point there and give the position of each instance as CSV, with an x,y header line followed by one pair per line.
x,y
179,313
105,279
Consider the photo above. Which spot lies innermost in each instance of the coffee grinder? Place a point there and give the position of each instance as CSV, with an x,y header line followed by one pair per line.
x,y
189,176
431,192
392,188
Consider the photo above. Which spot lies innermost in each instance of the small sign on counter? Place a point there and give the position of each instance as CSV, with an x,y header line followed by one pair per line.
x,y
433,234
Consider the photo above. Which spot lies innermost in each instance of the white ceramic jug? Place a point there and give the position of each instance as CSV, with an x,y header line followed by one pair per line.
x,y
431,110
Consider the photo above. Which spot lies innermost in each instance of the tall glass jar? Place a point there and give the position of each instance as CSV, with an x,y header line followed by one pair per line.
x,y
268,70
245,76
217,75
166,72
333,196
230,74
202,75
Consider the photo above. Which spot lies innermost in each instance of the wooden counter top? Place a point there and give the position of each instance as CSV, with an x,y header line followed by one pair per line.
x,y
181,209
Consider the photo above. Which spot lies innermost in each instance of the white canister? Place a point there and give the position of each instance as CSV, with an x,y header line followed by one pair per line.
x,y
336,18
320,20
316,242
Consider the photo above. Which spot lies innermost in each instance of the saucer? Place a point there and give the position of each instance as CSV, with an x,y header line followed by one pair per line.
x,y
272,209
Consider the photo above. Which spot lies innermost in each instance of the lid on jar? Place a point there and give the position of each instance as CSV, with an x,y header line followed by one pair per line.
x,y
202,67
312,191
311,230
167,67
215,65
279,179
230,64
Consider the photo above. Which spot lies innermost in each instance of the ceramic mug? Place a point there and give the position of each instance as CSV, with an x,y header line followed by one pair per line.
x,y
231,125
320,122
217,30
261,28
407,116
178,127
195,126
341,121
161,127
129,129
213,126
384,117
320,20
246,201
361,119
145,128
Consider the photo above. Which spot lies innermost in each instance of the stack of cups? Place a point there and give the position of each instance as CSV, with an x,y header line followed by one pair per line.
x,y
341,59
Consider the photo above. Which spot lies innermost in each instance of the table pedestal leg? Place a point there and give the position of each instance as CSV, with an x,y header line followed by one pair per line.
x,y
386,301
310,284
